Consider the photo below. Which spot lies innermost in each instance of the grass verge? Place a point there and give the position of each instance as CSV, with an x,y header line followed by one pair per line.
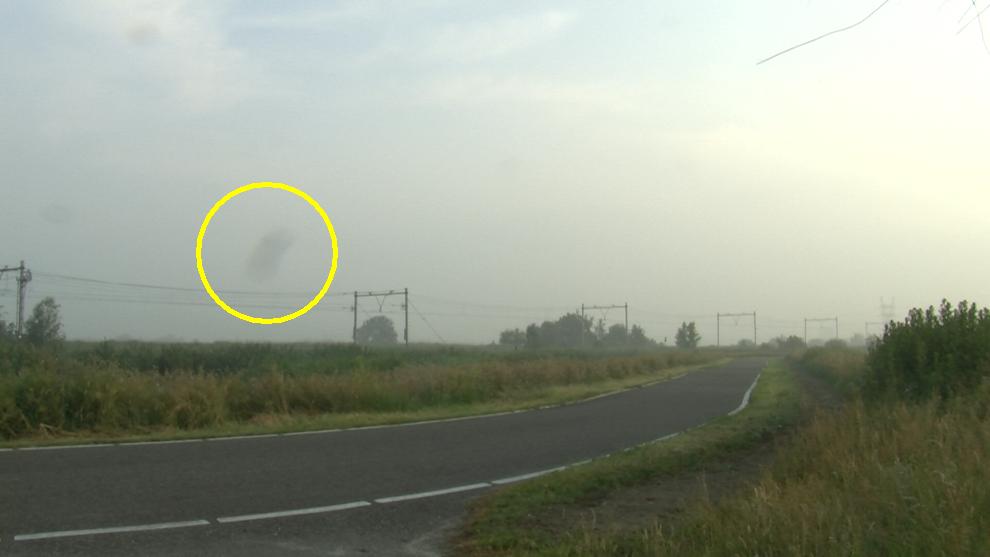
x,y
506,522
291,407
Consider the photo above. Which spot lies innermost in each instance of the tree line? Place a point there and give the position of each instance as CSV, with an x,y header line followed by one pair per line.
x,y
42,328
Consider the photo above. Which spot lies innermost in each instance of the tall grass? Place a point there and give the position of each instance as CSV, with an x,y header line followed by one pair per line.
x,y
76,396
888,479
903,469
844,368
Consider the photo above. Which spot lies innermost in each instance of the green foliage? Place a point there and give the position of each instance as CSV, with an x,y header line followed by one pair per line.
x,y
63,396
637,337
933,352
6,330
44,326
616,336
843,368
784,344
377,331
890,478
569,331
512,337
687,336
574,331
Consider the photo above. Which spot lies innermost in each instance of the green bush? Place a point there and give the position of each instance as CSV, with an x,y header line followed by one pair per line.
x,y
933,352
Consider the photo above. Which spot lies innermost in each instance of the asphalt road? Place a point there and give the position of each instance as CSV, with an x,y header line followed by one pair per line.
x,y
348,492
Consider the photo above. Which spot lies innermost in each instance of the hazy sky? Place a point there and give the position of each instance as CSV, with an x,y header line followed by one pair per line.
x,y
505,161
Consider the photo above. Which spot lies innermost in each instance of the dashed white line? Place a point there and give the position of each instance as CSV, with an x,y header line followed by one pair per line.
x,y
113,530
54,447
424,494
236,437
296,512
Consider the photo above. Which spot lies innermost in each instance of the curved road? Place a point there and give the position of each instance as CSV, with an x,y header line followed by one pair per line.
x,y
372,491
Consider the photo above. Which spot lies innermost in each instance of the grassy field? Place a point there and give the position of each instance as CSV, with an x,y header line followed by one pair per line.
x,y
507,521
88,393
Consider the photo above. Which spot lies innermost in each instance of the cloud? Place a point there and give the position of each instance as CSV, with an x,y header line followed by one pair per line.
x,y
491,39
483,88
181,45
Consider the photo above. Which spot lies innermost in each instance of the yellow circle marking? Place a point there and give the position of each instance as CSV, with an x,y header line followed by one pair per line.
x,y
202,272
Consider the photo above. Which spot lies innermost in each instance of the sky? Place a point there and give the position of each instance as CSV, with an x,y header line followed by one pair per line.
x,y
506,162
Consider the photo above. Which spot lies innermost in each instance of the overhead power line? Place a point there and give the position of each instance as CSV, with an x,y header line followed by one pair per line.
x,y
177,288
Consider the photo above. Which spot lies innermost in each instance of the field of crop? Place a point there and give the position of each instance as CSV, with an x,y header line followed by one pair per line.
x,y
97,391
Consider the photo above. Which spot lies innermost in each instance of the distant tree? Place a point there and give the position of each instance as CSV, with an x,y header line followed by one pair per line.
x,y
746,344
788,344
6,329
44,326
836,343
377,330
533,339
512,337
793,342
637,337
569,331
687,336
600,329
573,329
616,336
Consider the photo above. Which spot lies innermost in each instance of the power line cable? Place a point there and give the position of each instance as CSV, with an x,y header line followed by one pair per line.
x,y
413,306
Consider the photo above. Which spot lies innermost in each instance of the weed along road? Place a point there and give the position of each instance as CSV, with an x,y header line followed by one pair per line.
x,y
374,491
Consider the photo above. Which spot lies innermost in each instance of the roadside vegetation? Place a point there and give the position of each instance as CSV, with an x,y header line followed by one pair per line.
x,y
513,520
77,392
900,469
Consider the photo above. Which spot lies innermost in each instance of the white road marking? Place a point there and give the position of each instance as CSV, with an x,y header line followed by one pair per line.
x,y
53,447
142,443
235,437
436,493
296,512
745,400
531,475
113,530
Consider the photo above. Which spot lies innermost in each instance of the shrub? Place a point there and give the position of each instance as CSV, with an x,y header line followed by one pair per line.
x,y
932,352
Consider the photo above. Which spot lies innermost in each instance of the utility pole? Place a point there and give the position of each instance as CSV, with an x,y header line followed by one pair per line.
x,y
23,277
817,320
718,325
380,298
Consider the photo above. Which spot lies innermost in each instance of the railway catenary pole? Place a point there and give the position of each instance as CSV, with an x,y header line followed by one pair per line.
x,y
718,325
819,320
624,306
354,333
381,295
